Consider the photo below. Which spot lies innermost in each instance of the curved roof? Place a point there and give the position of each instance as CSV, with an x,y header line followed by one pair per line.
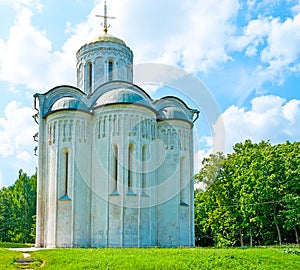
x,y
108,38
68,103
173,113
122,95
113,93
173,108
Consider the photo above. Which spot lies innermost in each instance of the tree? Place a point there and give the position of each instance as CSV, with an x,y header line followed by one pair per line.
x,y
290,210
211,168
18,209
251,195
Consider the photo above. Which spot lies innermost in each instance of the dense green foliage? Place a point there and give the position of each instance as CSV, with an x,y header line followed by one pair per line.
x,y
252,196
156,258
18,210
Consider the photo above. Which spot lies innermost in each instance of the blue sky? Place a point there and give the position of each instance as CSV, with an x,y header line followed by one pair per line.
x,y
247,53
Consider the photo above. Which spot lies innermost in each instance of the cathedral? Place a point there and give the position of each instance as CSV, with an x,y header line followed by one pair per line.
x,y
115,167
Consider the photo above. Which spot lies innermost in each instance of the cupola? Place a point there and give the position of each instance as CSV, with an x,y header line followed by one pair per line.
x,y
106,58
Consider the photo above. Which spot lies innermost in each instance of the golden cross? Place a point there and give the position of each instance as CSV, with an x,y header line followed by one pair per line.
x,y
105,25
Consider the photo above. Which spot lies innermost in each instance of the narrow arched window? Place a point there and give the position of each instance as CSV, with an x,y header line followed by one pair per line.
x,y
79,76
110,70
66,180
128,73
115,167
129,180
89,77
54,132
181,179
144,168
64,173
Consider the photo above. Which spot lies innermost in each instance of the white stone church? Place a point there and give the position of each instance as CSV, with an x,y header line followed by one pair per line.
x,y
115,167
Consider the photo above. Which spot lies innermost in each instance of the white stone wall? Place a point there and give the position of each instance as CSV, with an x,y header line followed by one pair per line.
x,y
155,210
176,186
118,219
66,215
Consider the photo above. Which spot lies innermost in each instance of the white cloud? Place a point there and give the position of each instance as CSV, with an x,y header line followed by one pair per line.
x,y
16,141
283,43
291,111
251,51
204,149
251,3
203,35
16,130
192,33
274,45
269,118
24,157
27,57
253,36
266,104
198,157
296,8
204,38
197,35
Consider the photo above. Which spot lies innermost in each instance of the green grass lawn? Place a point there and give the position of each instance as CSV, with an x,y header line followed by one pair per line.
x,y
14,245
156,258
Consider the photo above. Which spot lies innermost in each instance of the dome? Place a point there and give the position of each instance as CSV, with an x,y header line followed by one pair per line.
x,y
108,38
68,103
173,113
125,96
